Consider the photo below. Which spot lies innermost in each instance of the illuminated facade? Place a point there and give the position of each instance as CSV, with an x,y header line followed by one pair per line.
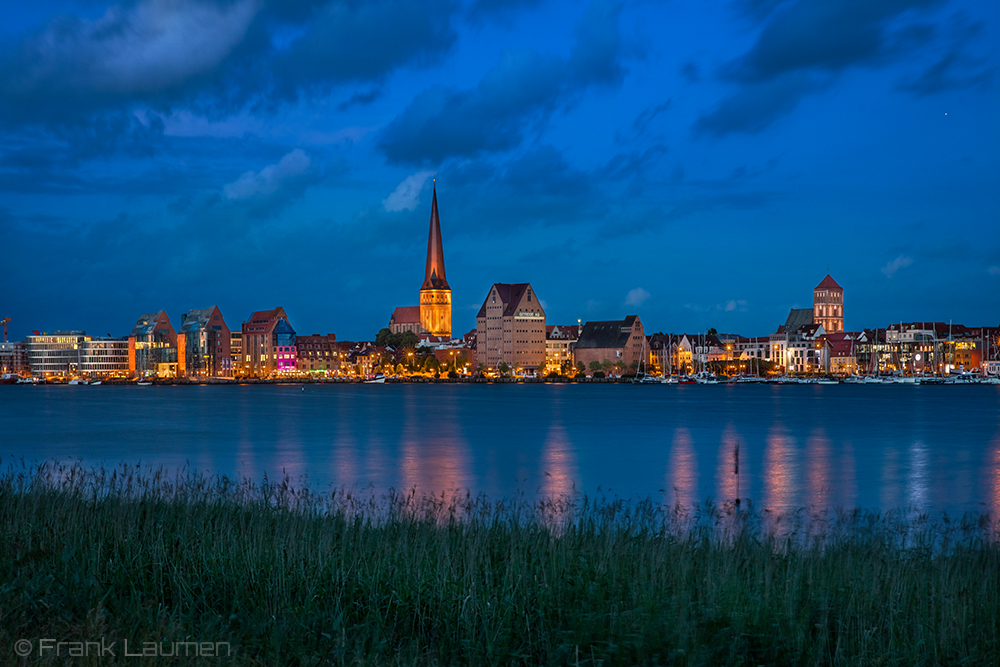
x,y
828,305
69,354
510,329
152,346
435,293
204,345
268,344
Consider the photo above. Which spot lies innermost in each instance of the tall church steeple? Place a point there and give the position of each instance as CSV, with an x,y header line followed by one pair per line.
x,y
435,294
434,274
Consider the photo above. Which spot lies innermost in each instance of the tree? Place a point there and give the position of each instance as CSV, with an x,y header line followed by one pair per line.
x,y
594,365
382,338
504,369
581,367
712,332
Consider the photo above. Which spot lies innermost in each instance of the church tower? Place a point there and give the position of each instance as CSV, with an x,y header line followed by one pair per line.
x,y
435,294
828,305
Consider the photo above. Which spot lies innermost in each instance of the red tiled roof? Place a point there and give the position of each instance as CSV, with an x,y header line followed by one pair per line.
x,y
405,314
829,283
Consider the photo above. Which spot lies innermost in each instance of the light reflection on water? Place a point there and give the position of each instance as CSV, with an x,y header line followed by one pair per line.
x,y
781,470
875,447
682,477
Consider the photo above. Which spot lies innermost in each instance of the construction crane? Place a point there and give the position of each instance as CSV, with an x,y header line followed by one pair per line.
x,y
5,321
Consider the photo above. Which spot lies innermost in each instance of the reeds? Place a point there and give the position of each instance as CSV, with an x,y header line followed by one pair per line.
x,y
288,576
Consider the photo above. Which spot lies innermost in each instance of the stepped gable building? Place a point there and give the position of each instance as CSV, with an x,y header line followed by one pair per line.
x,y
152,346
611,340
433,316
510,329
268,344
828,305
204,344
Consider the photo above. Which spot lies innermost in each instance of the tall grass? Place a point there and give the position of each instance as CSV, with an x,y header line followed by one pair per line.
x,y
292,577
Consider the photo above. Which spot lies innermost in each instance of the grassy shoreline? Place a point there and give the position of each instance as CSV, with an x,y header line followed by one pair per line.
x,y
291,577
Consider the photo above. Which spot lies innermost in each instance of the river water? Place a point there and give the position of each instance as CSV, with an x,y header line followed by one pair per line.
x,y
929,449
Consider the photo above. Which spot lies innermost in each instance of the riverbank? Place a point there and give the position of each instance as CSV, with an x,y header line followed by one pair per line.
x,y
289,577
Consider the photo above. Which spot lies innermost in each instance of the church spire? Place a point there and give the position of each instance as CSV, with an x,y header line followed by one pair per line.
x,y
434,274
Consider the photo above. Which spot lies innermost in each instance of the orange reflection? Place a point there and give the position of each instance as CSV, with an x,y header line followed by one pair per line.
x,y
559,470
682,478
780,470
729,486
992,478
434,459
818,471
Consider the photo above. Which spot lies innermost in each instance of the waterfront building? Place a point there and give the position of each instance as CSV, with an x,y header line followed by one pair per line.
x,y
152,346
268,344
70,354
104,357
841,353
612,341
805,350
755,347
236,353
433,315
204,346
510,329
828,305
317,355
14,359
54,355
559,341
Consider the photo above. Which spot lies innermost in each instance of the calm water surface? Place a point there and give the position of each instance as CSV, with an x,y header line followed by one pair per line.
x,y
924,448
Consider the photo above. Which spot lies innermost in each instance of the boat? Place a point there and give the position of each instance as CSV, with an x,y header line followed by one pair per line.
x,y
76,381
854,379
705,377
377,379
9,378
875,379
827,380
687,379
94,383
143,383
641,374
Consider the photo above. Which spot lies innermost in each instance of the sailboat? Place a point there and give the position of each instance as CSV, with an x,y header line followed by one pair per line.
x,y
641,374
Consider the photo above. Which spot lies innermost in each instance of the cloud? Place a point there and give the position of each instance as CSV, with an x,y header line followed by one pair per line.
x,y
636,297
364,41
270,179
953,71
803,47
753,108
523,87
146,59
406,197
130,53
733,305
895,265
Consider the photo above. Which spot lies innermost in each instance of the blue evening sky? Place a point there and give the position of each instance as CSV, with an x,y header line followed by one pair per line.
x,y
701,164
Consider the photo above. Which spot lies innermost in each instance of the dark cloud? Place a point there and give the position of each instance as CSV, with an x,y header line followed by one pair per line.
x,y
502,11
88,81
822,35
364,41
524,87
755,107
361,98
802,47
635,164
954,69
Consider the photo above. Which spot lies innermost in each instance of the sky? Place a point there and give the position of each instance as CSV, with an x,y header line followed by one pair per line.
x,y
700,164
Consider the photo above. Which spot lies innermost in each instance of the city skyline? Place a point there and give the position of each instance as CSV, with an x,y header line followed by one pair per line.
x,y
702,167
